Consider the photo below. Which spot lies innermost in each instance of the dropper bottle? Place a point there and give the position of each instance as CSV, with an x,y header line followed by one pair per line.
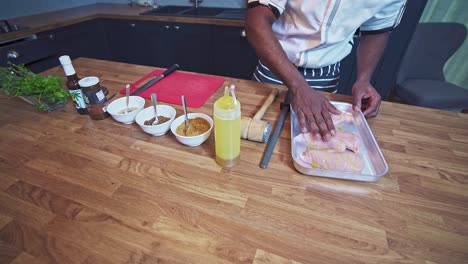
x,y
227,124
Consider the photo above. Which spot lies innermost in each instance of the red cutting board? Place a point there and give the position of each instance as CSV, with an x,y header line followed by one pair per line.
x,y
196,88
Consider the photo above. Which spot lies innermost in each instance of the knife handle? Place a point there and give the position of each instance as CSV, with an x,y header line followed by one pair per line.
x,y
170,70
156,79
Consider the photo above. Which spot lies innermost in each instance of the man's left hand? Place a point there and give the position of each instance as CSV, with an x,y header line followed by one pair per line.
x,y
366,98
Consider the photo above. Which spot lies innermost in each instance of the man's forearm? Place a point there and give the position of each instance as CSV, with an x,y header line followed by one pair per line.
x,y
369,52
258,28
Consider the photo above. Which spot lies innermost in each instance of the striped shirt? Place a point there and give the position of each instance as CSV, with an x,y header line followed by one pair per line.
x,y
324,79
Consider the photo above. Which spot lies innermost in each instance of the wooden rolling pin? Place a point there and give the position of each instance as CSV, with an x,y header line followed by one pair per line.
x,y
254,128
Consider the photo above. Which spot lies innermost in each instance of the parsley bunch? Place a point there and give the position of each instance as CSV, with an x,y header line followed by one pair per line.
x,y
17,80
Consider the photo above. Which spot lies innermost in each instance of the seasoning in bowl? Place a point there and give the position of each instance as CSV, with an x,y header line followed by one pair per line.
x,y
197,126
124,111
162,119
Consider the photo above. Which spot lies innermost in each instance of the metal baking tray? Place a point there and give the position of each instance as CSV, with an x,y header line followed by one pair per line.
x,y
375,164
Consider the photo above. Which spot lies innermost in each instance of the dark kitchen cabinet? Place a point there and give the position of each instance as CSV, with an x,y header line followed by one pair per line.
x,y
189,45
134,41
219,50
160,44
41,51
202,48
35,52
232,54
85,39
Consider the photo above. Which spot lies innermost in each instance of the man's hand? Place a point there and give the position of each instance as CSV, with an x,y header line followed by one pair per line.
x,y
312,108
369,51
366,98
313,112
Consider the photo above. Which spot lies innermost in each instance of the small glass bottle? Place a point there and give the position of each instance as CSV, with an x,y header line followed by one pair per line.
x,y
72,85
227,129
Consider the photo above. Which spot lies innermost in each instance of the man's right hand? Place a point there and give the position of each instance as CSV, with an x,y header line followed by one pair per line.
x,y
313,112
312,108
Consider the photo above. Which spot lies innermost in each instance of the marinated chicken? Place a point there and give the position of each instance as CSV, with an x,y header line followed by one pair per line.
x,y
340,142
343,117
346,161
338,154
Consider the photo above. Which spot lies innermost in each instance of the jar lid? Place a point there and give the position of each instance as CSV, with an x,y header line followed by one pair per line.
x,y
88,81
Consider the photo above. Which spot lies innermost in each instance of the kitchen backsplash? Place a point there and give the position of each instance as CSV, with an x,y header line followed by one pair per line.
x,y
18,8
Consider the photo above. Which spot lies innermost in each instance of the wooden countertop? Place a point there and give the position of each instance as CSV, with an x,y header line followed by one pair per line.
x,y
76,190
60,18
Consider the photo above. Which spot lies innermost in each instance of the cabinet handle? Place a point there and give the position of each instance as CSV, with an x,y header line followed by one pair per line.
x,y
132,24
51,36
12,54
167,27
176,28
242,33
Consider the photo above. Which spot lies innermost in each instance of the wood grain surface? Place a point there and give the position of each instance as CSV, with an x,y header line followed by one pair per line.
x,y
76,190
60,18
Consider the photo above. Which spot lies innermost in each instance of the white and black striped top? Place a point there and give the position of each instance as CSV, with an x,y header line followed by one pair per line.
x,y
324,79
318,33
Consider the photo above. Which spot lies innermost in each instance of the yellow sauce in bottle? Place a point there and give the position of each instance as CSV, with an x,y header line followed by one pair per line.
x,y
227,120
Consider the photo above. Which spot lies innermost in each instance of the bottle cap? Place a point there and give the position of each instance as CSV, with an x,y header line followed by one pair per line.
x,y
88,81
65,59
67,65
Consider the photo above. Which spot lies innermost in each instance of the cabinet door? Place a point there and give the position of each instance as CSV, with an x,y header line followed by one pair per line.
x,y
232,54
189,46
86,39
134,41
35,52
160,44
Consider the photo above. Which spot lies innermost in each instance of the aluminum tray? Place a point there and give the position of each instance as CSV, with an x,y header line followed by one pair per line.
x,y
375,164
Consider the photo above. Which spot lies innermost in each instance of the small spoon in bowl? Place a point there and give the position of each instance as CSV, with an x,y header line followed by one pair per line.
x,y
127,98
155,106
186,116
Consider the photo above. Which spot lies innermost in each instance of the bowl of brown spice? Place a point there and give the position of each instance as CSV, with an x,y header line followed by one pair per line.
x,y
145,119
197,132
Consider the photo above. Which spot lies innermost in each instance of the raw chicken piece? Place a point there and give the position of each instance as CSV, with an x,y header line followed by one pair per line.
x,y
340,142
318,144
350,139
343,117
332,160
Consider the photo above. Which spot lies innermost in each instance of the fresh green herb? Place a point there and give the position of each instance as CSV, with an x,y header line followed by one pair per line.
x,y
17,80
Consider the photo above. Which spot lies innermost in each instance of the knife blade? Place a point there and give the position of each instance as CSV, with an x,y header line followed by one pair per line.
x,y
156,79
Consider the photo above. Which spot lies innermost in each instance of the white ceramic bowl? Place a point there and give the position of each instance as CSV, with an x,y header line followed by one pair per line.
x,y
148,113
119,104
192,141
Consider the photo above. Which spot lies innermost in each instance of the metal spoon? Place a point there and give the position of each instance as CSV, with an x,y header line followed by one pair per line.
x,y
127,98
186,116
155,105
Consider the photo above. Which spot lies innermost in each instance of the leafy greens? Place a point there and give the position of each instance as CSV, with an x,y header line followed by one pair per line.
x,y
17,80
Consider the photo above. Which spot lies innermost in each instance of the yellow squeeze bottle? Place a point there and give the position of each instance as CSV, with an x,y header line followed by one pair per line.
x,y
227,120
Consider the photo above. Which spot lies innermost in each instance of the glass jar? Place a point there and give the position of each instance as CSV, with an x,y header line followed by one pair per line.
x,y
95,97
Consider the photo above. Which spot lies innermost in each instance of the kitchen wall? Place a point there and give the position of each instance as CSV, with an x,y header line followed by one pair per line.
x,y
16,8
